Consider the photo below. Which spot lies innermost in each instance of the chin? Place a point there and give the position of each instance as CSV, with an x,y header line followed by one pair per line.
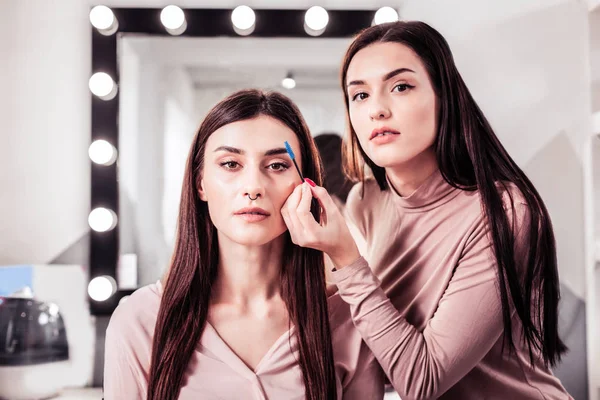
x,y
255,242
390,160
393,156
254,237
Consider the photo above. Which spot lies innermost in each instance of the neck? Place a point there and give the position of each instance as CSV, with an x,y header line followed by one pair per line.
x,y
248,274
407,177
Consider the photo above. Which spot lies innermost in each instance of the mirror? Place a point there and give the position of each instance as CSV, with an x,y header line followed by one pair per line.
x,y
166,86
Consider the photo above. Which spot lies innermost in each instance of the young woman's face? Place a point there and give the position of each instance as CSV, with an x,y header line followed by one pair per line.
x,y
247,177
392,104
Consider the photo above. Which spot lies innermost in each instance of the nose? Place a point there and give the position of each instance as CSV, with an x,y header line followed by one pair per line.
x,y
379,109
253,186
253,194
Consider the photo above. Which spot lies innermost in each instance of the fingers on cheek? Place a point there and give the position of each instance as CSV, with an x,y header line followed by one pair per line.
x,y
292,200
288,222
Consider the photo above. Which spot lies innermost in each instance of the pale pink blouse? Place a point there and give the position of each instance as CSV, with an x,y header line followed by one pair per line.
x,y
216,372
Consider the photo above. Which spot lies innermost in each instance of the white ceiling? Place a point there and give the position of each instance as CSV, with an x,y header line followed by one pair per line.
x,y
306,78
225,51
263,62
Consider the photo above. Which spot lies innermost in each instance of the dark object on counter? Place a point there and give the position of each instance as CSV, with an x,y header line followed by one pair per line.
x,y
31,332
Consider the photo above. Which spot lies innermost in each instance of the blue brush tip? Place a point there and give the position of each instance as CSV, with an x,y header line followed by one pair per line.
x,y
289,150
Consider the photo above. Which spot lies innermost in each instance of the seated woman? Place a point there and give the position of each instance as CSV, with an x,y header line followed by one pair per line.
x,y
242,311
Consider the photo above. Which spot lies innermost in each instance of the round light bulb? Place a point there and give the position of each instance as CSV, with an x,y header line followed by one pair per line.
x,y
172,17
102,219
102,17
316,18
385,14
288,83
101,288
102,152
101,84
243,17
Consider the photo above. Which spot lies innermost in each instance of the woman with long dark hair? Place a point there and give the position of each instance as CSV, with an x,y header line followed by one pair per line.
x,y
457,292
242,311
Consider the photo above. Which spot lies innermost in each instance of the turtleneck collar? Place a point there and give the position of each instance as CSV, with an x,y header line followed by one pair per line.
x,y
433,192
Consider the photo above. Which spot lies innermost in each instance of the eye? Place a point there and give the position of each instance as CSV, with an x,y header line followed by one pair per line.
x,y
230,165
278,166
403,87
359,96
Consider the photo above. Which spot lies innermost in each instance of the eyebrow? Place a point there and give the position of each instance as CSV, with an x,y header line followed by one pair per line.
x,y
386,77
271,152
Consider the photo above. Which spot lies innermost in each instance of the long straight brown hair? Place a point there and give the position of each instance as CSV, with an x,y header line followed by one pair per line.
x,y
471,157
185,300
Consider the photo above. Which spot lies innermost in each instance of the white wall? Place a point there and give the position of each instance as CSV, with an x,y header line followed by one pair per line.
x,y
596,192
593,180
594,26
45,131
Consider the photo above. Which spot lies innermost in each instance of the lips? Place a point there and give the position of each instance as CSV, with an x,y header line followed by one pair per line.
x,y
383,131
252,211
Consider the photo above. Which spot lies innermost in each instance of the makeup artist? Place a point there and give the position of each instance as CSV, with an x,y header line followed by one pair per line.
x,y
457,291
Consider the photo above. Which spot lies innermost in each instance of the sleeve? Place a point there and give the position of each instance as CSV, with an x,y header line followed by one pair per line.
x,y
352,209
467,323
354,220
123,376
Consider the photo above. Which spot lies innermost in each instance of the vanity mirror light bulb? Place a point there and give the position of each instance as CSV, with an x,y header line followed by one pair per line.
x,y
102,17
102,219
103,86
103,153
316,18
172,17
102,287
385,14
243,17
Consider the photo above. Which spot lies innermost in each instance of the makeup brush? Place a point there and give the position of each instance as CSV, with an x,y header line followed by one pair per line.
x,y
315,208
293,157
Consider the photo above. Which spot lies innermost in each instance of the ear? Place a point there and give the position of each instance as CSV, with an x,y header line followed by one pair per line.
x,y
201,191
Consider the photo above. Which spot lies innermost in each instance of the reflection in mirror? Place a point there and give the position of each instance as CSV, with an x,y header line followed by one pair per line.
x,y
167,85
